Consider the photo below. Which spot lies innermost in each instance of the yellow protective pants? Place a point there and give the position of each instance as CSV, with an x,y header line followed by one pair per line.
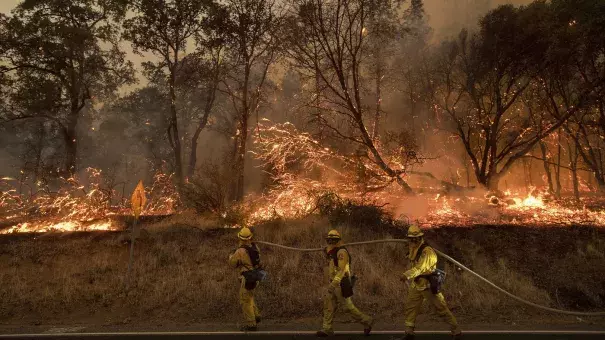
x,y
332,301
413,305
246,299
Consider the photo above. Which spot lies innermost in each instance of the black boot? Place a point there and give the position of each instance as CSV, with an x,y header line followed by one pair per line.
x,y
368,328
324,334
409,336
248,329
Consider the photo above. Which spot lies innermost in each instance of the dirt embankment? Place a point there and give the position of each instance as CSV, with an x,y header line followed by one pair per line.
x,y
181,276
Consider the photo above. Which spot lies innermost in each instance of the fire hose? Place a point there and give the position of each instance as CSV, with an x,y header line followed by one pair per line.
x,y
453,261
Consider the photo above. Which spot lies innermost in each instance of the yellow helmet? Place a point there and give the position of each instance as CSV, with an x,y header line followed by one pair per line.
x,y
333,235
245,234
414,231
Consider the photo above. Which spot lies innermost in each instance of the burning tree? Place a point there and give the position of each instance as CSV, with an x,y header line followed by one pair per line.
x,y
328,42
478,81
577,83
293,157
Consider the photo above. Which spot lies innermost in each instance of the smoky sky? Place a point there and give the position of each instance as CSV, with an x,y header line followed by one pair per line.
x,y
446,17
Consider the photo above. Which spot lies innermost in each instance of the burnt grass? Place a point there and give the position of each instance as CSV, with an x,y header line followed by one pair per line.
x,y
181,275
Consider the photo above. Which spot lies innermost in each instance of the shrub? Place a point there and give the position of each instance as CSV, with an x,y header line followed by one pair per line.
x,y
206,191
341,211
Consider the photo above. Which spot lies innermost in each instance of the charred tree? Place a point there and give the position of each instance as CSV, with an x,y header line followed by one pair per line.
x,y
558,166
546,163
574,157
479,80
575,82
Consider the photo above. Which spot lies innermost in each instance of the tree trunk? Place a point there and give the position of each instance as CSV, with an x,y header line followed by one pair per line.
x,y
488,181
558,168
525,177
210,98
242,133
378,96
318,113
492,182
232,167
193,153
590,182
573,165
39,149
546,167
71,144
468,170
194,142
174,130
240,159
378,158
576,182
601,184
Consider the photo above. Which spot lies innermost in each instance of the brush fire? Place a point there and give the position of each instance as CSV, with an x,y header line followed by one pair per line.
x,y
294,160
78,207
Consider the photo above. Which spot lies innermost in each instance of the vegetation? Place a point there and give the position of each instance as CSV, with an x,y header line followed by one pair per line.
x,y
291,116
180,273
363,78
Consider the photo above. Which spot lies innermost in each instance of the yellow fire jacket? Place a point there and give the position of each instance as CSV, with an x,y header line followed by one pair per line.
x,y
240,260
426,264
334,274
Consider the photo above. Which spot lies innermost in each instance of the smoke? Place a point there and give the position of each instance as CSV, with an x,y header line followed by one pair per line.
x,y
448,17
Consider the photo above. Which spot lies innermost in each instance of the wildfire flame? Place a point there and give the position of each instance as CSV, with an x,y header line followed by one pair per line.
x,y
77,206
65,226
302,171
293,155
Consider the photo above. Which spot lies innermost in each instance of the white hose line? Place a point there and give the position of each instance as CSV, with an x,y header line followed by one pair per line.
x,y
447,257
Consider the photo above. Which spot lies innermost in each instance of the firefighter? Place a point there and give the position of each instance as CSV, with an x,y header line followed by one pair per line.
x,y
423,260
339,289
246,258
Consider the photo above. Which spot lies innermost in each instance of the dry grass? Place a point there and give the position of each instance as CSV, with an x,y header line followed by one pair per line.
x,y
181,275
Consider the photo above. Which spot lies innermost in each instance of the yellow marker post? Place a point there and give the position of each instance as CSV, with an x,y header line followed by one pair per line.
x,y
137,202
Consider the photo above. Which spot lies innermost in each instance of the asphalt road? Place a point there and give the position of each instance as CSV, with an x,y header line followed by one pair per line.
x,y
286,335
